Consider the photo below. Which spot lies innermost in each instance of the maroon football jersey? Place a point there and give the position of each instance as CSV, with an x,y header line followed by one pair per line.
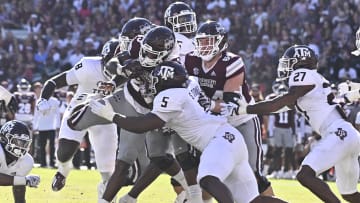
x,y
285,119
212,80
26,101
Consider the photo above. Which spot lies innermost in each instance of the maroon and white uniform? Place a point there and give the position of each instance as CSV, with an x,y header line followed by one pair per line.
x,y
212,82
26,104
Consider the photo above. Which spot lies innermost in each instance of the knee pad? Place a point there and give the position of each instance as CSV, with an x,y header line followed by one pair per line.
x,y
163,162
262,182
187,161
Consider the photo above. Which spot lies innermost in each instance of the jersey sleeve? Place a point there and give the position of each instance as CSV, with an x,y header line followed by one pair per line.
x,y
301,77
167,105
235,68
27,163
72,75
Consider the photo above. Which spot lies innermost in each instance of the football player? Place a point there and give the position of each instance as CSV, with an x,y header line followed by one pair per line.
x,y
310,94
26,102
180,18
145,52
357,43
221,74
88,73
8,106
224,170
15,161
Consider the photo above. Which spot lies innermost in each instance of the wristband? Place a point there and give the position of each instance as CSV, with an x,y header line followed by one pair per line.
x,y
19,180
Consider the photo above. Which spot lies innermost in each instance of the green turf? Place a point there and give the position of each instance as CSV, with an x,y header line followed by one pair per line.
x,y
81,187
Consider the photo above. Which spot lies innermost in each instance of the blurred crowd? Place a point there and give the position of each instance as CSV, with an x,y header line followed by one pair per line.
x,y
57,33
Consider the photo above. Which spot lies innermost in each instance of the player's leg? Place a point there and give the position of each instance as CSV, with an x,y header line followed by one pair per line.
x,y
347,172
325,154
189,159
218,160
251,132
103,138
69,141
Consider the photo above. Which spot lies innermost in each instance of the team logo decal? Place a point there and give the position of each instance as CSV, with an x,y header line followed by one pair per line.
x,y
229,137
341,133
166,72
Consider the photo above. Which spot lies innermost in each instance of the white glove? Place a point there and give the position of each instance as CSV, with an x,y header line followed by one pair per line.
x,y
103,110
231,108
32,180
228,109
43,105
352,96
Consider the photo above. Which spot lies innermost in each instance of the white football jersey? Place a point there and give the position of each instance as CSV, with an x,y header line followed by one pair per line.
x,y
179,108
186,45
87,73
314,105
21,167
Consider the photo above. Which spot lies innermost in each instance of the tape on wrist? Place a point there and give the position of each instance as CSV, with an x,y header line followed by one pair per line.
x,y
19,180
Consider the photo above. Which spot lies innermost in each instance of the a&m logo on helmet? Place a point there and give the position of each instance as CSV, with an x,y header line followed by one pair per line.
x,y
166,72
8,127
302,52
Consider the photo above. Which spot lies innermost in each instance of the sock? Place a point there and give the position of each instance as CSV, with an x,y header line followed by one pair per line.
x,y
194,194
65,167
128,199
180,178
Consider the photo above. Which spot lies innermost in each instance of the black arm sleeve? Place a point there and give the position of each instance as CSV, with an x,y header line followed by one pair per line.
x,y
119,80
50,85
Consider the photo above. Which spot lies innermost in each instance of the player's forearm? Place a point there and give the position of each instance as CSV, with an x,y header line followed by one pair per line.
x,y
50,85
6,180
130,124
264,107
136,124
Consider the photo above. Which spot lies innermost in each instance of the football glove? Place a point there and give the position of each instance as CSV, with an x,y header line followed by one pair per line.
x,y
106,88
32,180
237,107
103,110
43,105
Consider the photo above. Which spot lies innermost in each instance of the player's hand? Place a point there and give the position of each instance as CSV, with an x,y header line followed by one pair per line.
x,y
103,110
43,105
204,101
32,180
237,107
106,88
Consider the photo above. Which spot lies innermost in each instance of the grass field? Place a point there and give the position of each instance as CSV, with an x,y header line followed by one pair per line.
x,y
81,188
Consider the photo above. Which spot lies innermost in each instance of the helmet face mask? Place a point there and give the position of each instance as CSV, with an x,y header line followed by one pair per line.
x,y
156,46
185,22
207,46
210,39
131,29
23,86
15,137
285,67
295,57
180,18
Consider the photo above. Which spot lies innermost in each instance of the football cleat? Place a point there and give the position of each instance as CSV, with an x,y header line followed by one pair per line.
x,y
58,182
